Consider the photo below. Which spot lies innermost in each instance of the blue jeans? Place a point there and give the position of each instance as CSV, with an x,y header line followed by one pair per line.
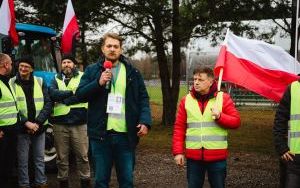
x,y
114,149
38,148
196,170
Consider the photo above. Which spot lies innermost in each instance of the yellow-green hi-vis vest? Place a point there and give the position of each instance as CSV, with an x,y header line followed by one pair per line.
x,y
117,122
202,130
294,123
61,109
8,108
38,96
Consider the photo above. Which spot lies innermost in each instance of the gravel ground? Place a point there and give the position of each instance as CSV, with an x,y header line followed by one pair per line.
x,y
156,169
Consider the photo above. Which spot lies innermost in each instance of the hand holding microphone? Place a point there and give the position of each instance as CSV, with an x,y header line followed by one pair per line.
x,y
106,75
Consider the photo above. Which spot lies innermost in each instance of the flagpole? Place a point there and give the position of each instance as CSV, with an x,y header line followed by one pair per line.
x,y
219,89
187,69
220,79
296,36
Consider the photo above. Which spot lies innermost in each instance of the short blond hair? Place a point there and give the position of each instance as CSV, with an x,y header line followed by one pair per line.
x,y
111,35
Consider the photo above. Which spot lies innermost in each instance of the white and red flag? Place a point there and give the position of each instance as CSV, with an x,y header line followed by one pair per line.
x,y
8,20
260,67
70,29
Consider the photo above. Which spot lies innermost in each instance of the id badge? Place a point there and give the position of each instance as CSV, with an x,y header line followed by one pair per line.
x,y
114,104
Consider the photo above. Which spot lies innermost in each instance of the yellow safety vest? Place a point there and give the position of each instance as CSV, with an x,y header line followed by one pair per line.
x,y
117,122
202,130
62,109
38,96
294,122
8,108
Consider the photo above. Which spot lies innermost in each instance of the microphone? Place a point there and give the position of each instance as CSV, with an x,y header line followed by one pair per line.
x,y
107,65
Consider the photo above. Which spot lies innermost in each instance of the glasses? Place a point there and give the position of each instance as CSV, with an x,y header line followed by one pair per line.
x,y
24,66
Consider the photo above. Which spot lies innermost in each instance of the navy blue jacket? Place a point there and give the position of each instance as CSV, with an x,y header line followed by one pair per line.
x,y
76,116
137,109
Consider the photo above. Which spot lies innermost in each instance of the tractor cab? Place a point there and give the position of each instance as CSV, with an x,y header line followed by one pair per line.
x,y
40,43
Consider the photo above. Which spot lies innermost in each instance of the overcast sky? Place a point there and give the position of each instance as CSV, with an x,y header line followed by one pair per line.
x,y
265,25
201,43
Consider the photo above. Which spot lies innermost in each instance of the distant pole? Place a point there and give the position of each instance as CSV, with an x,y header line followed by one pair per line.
x,y
187,69
296,35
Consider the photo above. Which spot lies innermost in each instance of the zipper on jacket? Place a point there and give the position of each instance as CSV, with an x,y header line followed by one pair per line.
x,y
202,148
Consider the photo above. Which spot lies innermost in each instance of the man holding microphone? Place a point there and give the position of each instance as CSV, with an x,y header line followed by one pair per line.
x,y
117,115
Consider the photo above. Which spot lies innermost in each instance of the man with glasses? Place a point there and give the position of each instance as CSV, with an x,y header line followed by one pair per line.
x,y
35,107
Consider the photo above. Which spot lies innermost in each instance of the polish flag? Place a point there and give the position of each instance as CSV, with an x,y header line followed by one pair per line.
x,y
257,66
70,29
8,20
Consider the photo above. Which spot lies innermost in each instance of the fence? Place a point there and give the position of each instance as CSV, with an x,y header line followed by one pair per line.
x,y
241,97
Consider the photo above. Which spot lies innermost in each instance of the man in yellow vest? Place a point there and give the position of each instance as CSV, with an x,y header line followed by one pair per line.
x,y
200,130
69,119
286,132
9,123
118,112
35,107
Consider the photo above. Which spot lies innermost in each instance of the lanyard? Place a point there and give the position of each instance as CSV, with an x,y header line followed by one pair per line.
x,y
116,71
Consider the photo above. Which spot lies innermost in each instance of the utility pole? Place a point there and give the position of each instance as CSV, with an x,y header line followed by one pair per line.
x,y
296,30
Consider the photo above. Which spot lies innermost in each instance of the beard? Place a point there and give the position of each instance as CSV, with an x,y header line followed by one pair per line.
x,y
112,57
68,71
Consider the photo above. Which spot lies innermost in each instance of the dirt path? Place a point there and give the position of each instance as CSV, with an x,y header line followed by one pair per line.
x,y
157,170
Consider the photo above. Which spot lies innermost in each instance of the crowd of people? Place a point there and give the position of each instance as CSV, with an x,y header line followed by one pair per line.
x,y
87,116
105,111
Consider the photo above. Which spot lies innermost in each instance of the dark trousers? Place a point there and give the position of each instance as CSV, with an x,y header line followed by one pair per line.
x,y
196,170
8,155
293,173
282,173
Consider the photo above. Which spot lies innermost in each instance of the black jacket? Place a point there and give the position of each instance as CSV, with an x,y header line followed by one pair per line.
x,y
76,116
136,101
44,114
282,116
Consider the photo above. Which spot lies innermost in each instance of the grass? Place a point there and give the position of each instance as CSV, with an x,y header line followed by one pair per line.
x,y
155,93
254,135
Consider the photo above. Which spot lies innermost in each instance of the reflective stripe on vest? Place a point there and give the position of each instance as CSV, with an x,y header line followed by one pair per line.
x,y
117,122
202,130
8,108
61,109
38,96
294,123
206,138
